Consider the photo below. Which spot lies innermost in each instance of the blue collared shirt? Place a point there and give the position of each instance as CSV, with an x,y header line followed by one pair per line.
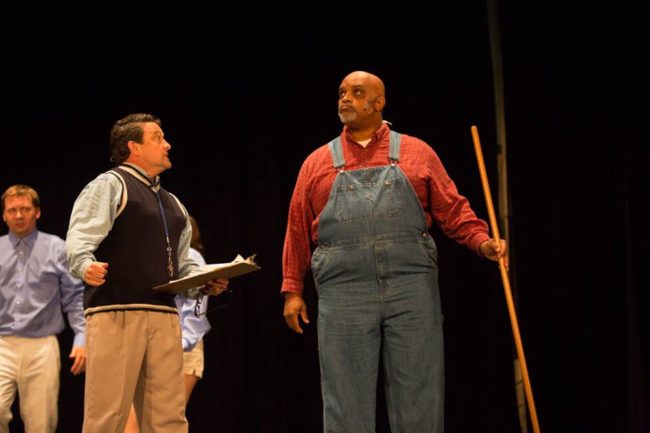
x,y
36,288
193,327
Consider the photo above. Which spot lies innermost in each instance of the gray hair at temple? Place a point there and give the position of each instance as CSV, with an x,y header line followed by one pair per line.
x,y
128,129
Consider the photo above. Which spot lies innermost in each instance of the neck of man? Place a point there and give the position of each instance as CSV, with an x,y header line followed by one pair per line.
x,y
24,235
151,171
363,132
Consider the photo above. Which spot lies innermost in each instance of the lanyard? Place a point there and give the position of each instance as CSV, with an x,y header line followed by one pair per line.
x,y
170,263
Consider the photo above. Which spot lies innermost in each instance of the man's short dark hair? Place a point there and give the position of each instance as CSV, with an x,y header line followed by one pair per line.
x,y
128,129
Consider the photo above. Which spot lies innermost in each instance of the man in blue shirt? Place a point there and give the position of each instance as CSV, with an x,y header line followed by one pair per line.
x,y
35,287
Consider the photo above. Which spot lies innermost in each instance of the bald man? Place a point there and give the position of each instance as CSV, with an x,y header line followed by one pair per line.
x,y
366,200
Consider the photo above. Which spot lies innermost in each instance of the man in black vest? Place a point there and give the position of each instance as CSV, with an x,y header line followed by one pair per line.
x,y
127,235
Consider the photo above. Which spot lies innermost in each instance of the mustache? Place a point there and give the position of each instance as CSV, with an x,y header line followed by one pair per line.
x,y
346,106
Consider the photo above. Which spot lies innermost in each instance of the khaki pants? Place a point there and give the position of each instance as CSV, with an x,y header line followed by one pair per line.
x,y
30,366
134,357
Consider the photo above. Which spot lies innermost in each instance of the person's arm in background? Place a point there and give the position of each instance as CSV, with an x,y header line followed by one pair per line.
x,y
72,290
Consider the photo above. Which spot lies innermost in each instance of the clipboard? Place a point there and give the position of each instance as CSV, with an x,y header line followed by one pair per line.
x,y
237,267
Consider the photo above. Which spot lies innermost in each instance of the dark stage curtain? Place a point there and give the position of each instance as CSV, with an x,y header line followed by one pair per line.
x,y
246,93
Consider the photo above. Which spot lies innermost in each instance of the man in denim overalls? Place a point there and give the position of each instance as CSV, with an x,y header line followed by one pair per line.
x,y
367,200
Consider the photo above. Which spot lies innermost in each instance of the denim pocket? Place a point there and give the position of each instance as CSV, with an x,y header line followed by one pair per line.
x,y
428,247
317,262
342,264
365,200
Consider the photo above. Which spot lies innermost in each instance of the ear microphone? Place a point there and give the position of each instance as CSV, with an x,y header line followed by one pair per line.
x,y
368,107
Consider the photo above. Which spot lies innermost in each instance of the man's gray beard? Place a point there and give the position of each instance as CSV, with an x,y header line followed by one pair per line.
x,y
347,116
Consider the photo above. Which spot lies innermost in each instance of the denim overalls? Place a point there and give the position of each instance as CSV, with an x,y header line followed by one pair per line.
x,y
376,274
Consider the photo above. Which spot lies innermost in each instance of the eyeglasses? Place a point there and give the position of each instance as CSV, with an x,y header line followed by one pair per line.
x,y
199,303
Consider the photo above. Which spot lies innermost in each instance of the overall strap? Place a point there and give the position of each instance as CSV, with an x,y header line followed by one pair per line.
x,y
337,153
393,150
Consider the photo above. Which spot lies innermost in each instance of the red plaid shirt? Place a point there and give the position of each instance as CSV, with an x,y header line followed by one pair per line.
x,y
435,190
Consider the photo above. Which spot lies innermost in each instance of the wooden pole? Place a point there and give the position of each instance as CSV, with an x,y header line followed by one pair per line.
x,y
506,282
503,207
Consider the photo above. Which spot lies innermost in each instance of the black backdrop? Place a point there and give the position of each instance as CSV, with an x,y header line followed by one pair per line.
x,y
246,92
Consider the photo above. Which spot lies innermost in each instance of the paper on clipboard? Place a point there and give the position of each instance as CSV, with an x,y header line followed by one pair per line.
x,y
239,266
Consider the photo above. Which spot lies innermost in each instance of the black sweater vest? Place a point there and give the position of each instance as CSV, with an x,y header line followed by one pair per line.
x,y
136,251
